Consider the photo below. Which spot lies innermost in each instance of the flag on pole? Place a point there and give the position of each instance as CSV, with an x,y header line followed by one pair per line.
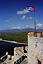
x,y
30,8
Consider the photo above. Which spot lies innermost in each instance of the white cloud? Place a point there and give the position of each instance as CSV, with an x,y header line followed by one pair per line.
x,y
30,17
7,20
23,12
11,18
27,26
36,19
23,17
31,26
39,25
15,27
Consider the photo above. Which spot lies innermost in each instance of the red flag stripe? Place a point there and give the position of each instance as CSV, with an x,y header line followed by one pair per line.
x,y
33,8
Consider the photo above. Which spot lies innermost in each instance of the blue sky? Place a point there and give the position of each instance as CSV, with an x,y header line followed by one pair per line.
x,y
13,14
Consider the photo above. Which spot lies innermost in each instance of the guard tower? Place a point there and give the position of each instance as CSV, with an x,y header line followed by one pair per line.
x,y
35,48
33,34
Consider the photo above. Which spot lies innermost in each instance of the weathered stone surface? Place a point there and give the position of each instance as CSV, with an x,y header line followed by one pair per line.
x,y
35,50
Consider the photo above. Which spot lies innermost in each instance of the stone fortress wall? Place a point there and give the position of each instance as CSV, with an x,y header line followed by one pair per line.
x,y
35,50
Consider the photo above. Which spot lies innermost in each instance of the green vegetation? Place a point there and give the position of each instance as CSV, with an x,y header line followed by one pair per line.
x,y
19,37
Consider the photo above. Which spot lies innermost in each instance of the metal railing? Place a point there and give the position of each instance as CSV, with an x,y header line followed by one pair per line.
x,y
20,60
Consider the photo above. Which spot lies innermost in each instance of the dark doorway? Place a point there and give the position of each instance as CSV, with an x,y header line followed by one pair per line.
x,y
39,62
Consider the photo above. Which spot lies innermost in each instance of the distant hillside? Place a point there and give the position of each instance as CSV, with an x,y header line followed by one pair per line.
x,y
20,37
20,30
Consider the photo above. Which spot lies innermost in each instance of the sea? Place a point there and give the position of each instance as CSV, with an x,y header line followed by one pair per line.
x,y
8,47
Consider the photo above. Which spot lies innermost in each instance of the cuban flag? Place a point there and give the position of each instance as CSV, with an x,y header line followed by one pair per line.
x,y
30,8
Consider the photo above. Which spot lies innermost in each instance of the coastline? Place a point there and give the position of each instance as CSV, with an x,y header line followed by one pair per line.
x,y
12,42
9,41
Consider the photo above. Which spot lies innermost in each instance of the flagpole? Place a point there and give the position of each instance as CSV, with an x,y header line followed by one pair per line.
x,y
33,8
35,24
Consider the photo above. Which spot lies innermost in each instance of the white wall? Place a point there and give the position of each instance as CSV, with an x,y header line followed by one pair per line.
x,y
35,46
